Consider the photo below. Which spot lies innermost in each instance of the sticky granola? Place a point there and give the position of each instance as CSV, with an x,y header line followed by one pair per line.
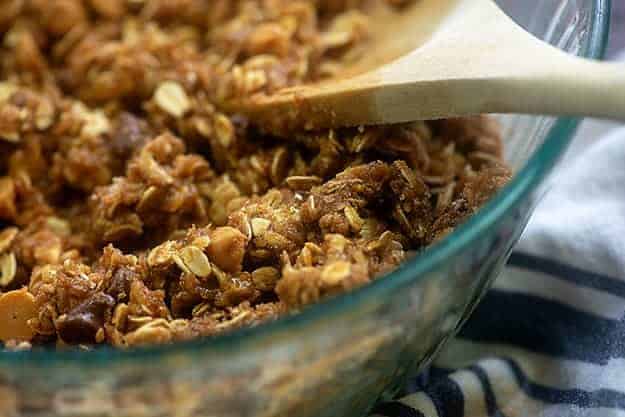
x,y
134,209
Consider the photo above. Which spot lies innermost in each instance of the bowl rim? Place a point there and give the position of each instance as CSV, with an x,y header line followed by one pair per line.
x,y
527,179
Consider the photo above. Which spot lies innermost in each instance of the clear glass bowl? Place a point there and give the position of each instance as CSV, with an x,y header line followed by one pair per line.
x,y
338,357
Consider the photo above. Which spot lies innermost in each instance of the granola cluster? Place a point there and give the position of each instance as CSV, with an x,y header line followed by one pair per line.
x,y
135,210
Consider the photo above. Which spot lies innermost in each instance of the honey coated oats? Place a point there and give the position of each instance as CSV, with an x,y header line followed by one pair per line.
x,y
134,211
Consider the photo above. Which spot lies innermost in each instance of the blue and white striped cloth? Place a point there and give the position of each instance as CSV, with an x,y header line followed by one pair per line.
x,y
549,338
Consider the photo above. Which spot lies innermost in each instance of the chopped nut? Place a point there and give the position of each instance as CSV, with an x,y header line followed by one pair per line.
x,y
16,309
172,99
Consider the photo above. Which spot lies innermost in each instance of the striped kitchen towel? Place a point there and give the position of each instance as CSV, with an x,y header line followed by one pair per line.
x,y
549,338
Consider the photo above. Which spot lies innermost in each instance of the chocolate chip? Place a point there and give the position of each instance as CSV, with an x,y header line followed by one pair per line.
x,y
119,287
130,133
81,323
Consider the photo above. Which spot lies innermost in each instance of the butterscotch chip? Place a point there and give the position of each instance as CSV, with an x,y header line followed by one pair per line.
x,y
227,248
16,309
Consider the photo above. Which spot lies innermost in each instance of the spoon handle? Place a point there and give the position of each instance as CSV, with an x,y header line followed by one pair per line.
x,y
563,86
549,82
485,63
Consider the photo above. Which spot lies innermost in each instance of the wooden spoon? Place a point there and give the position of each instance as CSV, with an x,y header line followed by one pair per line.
x,y
444,58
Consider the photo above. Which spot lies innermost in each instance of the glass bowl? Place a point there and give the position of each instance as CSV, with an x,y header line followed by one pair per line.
x,y
340,356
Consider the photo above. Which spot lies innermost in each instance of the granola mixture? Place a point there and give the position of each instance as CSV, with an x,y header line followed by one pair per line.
x,y
134,211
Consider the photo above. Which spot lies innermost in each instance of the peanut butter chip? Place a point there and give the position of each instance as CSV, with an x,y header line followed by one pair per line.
x,y
227,248
16,308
